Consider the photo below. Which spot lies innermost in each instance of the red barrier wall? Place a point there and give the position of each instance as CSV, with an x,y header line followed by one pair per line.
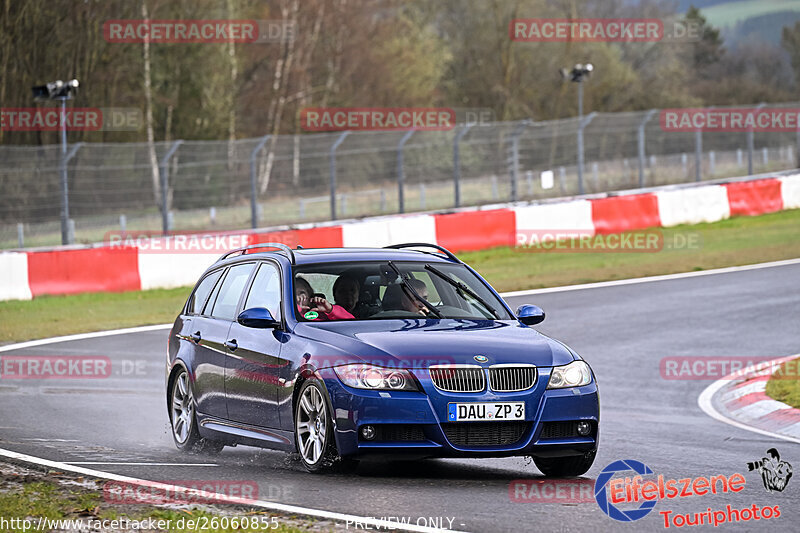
x,y
625,213
321,237
755,197
85,270
476,230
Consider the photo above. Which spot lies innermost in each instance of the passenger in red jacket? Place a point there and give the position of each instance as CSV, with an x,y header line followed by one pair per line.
x,y
313,307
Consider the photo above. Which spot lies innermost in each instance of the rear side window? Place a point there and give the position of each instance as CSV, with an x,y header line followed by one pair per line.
x,y
230,291
201,293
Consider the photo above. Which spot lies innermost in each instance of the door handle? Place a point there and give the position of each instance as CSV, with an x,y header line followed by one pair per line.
x,y
231,344
196,337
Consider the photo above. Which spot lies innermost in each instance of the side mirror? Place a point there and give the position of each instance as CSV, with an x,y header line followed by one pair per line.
x,y
530,314
257,317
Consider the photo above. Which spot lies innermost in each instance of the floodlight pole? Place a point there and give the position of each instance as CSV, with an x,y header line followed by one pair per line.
x,y
578,73
580,135
65,233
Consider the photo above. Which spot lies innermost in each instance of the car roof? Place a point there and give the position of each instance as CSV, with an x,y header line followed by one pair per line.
x,y
306,256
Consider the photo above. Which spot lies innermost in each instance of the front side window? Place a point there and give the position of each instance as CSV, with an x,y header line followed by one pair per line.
x,y
230,291
391,290
266,290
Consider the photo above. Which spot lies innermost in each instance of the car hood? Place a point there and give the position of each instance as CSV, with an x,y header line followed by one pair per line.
x,y
420,343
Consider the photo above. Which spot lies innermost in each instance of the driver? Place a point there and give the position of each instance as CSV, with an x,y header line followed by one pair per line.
x,y
410,303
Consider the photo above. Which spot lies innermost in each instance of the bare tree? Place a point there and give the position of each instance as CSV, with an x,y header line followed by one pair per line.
x,y
148,115
289,11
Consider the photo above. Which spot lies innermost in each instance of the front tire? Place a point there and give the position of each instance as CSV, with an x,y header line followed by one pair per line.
x,y
183,420
313,429
570,466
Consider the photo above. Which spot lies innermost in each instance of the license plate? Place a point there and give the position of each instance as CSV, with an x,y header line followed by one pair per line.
x,y
491,411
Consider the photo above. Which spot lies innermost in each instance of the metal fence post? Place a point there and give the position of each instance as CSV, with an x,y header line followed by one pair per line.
x,y
20,235
750,141
339,141
253,193
164,184
581,125
514,174
457,163
698,155
66,236
642,125
401,173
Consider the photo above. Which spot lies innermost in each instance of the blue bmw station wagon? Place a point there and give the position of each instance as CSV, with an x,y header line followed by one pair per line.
x,y
339,354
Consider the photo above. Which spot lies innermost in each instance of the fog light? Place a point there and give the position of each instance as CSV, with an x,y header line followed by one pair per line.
x,y
368,432
584,428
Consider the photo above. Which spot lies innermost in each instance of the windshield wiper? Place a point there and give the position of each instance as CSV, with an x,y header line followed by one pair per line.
x,y
411,290
463,288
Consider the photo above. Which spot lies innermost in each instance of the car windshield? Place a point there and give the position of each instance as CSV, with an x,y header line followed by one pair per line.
x,y
391,290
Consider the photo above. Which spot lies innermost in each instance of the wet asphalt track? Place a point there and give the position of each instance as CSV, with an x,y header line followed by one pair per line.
x,y
622,331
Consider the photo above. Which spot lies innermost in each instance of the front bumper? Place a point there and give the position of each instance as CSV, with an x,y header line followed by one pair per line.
x,y
415,423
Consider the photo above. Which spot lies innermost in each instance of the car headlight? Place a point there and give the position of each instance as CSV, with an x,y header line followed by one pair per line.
x,y
360,376
575,374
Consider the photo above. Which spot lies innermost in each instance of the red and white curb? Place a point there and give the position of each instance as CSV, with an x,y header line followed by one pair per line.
x,y
741,401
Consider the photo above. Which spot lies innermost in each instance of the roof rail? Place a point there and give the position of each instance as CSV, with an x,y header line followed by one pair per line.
x,y
450,255
281,246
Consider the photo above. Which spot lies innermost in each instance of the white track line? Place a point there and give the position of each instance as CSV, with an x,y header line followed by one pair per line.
x,y
704,399
137,464
82,336
704,402
665,277
221,498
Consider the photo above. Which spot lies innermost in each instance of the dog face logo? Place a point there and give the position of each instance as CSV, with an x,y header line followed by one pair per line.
x,y
775,474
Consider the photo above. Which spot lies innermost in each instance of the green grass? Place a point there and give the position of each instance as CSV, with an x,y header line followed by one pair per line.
x,y
47,499
784,385
50,316
737,241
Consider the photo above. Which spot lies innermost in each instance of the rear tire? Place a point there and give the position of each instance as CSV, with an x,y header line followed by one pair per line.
x,y
183,419
570,466
313,430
